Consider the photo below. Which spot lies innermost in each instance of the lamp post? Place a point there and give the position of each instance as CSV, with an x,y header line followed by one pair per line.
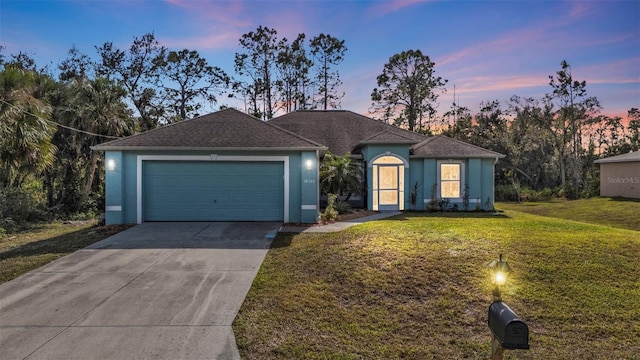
x,y
499,271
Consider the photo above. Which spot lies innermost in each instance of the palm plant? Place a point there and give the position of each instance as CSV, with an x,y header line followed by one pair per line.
x,y
340,175
25,133
95,107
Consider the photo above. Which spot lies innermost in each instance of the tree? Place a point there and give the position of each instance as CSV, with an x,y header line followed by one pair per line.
x,y
573,114
25,130
136,71
258,64
189,79
77,65
339,175
293,65
97,110
328,52
407,89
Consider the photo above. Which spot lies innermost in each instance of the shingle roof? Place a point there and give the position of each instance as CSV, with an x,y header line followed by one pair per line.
x,y
628,157
225,129
446,147
342,131
388,137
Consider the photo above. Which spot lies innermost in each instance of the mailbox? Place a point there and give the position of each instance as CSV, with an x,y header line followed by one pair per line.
x,y
511,332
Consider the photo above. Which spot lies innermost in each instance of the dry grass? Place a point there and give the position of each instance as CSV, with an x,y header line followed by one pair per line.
x,y
43,243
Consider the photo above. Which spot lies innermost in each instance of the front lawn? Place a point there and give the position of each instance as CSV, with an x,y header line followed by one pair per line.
x,y
43,243
416,286
616,212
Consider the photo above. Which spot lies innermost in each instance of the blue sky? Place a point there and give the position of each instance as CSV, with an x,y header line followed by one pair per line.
x,y
488,49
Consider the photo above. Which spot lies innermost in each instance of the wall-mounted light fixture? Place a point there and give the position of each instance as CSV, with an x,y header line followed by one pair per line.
x,y
111,164
309,164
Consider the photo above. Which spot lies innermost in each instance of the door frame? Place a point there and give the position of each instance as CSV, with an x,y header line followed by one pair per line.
x,y
398,162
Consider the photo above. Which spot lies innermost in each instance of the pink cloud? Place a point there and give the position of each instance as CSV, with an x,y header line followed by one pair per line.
x,y
229,13
624,71
580,9
214,41
500,83
382,8
221,23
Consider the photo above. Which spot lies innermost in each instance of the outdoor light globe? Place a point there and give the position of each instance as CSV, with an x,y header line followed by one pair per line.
x,y
499,271
309,164
111,164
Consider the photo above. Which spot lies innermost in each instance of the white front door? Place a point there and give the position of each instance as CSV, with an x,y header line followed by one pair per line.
x,y
388,189
388,183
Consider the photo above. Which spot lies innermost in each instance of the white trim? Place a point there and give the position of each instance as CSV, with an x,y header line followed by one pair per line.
x,y
113,208
388,153
212,157
308,207
462,177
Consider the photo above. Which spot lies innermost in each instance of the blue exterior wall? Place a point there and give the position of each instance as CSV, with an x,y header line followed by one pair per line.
x,y
416,175
309,191
121,183
114,197
478,177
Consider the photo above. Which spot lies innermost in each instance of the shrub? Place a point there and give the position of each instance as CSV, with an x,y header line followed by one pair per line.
x,y
343,207
19,206
330,213
506,193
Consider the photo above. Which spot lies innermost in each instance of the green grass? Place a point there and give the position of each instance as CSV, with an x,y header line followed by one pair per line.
x,y
615,212
43,243
416,286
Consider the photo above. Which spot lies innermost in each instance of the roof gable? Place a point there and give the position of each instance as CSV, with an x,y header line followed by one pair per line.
x,y
225,129
446,147
341,130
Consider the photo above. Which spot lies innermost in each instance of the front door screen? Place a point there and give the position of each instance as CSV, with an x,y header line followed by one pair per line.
x,y
388,185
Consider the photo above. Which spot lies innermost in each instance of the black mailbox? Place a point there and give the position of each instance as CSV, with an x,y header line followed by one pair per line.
x,y
510,331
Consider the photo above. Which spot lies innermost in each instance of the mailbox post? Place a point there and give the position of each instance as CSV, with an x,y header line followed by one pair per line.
x,y
509,332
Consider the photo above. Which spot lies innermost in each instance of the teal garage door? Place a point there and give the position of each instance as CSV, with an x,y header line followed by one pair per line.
x,y
212,191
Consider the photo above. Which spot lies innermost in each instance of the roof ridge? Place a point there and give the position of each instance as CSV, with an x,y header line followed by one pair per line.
x,y
274,126
468,144
161,127
425,142
448,138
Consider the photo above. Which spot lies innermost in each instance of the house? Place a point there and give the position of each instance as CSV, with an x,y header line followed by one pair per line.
x,y
398,162
620,175
230,166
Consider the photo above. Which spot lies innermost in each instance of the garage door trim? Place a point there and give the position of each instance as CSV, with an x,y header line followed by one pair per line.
x,y
212,157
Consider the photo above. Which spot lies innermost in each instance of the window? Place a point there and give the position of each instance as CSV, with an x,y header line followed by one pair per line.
x,y
450,180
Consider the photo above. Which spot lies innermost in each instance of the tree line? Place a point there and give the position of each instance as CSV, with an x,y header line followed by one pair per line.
x,y
48,123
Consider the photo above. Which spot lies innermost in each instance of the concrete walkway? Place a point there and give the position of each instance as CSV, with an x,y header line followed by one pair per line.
x,y
157,290
338,226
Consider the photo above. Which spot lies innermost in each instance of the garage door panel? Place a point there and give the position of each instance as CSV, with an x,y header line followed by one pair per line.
x,y
213,191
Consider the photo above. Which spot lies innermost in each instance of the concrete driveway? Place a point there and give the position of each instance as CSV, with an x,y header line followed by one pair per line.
x,y
157,290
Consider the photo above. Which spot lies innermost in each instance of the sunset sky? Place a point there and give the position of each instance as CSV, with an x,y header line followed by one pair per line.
x,y
487,49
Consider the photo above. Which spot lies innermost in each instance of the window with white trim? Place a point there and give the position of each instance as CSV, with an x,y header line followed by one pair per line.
x,y
451,174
